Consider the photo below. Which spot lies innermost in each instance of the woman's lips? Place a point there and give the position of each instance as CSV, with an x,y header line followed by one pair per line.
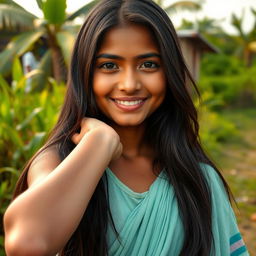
x,y
129,104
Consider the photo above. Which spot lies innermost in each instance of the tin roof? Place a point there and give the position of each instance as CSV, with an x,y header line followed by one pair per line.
x,y
198,39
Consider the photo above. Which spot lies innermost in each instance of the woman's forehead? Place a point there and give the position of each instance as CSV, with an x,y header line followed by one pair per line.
x,y
132,37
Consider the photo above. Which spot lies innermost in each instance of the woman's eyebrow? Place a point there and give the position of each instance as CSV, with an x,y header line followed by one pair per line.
x,y
117,57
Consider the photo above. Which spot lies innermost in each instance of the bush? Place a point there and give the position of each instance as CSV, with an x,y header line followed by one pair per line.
x,y
220,64
237,90
214,129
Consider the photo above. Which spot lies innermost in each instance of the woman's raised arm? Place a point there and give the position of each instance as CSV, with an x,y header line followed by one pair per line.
x,y
41,220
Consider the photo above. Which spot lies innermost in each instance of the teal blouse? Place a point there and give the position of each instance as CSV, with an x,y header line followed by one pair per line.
x,y
149,223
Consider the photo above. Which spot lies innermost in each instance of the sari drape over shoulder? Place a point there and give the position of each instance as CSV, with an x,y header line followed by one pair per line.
x,y
149,223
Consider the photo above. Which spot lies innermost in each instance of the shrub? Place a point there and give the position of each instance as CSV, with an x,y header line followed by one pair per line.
x,y
237,90
220,64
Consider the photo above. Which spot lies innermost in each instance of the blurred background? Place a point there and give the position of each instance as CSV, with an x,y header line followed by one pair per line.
x,y
218,40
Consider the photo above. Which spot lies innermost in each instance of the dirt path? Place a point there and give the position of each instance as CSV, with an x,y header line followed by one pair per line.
x,y
238,160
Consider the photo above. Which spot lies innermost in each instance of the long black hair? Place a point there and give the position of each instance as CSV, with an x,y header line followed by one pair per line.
x,y
172,130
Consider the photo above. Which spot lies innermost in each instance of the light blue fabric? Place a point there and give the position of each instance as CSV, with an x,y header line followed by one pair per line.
x,y
149,224
223,218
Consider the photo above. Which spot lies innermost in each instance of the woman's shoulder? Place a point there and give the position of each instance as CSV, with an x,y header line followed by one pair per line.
x,y
210,173
215,181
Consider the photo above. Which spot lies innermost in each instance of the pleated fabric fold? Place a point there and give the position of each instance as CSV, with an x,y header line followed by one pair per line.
x,y
149,229
149,223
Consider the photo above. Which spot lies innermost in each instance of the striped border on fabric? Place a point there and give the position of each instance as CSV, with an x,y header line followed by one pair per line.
x,y
237,246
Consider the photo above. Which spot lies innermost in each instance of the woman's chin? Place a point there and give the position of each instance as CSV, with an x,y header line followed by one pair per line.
x,y
128,122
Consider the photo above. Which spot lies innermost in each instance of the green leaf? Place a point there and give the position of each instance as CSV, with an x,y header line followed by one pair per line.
x,y
4,85
35,143
39,3
17,72
21,84
54,11
18,46
12,17
25,123
83,10
13,135
44,67
3,188
10,170
66,42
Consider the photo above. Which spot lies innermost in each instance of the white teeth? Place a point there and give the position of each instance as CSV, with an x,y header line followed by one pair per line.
x,y
128,103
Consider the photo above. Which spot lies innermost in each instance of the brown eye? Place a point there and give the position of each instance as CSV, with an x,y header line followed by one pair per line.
x,y
149,64
109,66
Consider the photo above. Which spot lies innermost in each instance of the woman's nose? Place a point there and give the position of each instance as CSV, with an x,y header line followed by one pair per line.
x,y
129,81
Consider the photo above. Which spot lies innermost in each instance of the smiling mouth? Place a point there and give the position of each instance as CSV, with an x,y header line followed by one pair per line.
x,y
129,104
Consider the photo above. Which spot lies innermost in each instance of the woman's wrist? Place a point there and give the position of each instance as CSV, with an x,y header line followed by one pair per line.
x,y
103,137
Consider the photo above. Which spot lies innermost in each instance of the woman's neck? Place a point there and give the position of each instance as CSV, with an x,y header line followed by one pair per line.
x,y
132,139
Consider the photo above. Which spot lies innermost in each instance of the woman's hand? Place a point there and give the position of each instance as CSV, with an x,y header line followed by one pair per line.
x,y
91,125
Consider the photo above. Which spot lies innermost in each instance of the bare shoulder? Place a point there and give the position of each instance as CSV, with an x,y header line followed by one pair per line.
x,y
42,165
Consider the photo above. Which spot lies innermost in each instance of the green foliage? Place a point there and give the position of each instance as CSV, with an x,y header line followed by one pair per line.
x,y
231,83
220,64
214,129
17,47
54,11
12,14
55,27
26,119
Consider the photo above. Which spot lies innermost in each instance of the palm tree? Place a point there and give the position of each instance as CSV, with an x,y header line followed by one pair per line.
x,y
247,41
55,27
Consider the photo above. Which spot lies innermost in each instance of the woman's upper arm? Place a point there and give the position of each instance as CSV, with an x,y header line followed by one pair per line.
x,y
42,165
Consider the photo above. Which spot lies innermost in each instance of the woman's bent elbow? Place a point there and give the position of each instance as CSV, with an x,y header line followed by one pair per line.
x,y
19,240
18,245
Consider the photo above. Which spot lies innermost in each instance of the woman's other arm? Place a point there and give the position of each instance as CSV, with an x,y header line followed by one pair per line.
x,y
41,220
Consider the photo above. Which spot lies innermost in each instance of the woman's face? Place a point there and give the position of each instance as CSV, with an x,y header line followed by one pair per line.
x,y
129,82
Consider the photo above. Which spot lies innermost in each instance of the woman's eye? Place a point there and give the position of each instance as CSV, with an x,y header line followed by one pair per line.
x,y
109,66
149,64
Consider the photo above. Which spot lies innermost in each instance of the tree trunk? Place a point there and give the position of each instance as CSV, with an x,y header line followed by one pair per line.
x,y
57,58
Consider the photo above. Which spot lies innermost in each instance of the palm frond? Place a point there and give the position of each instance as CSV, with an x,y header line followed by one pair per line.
x,y
83,10
66,42
13,18
18,46
54,11
39,3
11,2
237,23
183,5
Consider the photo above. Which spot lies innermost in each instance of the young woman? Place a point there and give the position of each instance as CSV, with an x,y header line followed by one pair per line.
x,y
123,172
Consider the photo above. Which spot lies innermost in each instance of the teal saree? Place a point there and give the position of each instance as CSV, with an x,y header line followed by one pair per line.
x,y
149,223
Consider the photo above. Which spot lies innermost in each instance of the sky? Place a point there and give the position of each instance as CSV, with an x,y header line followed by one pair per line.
x,y
217,9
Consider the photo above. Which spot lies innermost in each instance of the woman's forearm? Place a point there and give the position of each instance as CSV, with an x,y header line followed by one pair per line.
x,y
50,211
